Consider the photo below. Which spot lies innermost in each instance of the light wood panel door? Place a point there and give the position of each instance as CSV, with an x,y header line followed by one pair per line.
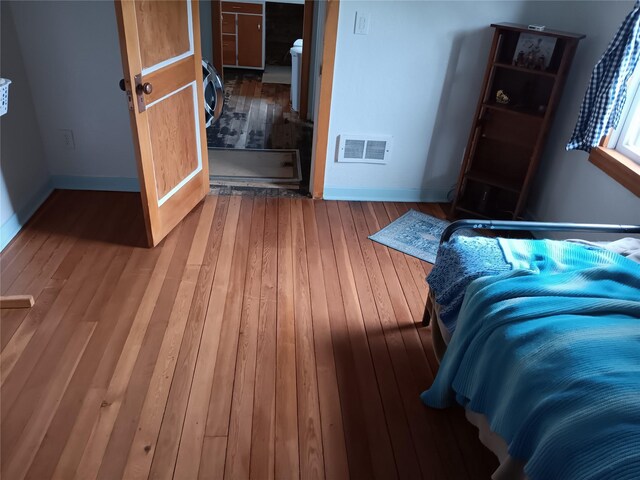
x,y
250,40
162,63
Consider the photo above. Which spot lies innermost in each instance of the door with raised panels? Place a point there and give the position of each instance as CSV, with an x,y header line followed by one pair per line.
x,y
160,46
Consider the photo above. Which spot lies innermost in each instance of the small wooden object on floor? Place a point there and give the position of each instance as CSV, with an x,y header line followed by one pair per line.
x,y
16,301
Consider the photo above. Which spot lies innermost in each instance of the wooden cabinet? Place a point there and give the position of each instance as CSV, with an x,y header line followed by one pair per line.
x,y
242,26
250,40
522,86
228,24
229,56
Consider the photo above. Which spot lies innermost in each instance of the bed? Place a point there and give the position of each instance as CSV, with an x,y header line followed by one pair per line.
x,y
539,341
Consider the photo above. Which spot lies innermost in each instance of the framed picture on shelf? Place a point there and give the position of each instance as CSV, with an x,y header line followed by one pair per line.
x,y
534,51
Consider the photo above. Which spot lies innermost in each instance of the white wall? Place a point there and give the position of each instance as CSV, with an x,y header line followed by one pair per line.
x,y
568,187
24,176
417,76
72,58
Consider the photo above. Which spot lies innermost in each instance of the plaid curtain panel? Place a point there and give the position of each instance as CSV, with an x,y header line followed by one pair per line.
x,y
607,92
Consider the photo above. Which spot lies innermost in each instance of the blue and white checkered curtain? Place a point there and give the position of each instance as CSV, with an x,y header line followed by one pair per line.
x,y
607,92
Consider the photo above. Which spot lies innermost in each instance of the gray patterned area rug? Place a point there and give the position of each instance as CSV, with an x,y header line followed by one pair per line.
x,y
415,233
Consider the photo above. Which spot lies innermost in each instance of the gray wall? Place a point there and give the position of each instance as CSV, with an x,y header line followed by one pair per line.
x,y
24,179
205,30
317,40
72,58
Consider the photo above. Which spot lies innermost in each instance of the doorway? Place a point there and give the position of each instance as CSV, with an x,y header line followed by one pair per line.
x,y
264,137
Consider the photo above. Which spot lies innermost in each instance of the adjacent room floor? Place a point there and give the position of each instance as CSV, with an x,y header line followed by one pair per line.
x,y
258,115
264,338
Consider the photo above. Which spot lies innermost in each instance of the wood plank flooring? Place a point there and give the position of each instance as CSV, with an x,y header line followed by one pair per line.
x,y
264,338
258,115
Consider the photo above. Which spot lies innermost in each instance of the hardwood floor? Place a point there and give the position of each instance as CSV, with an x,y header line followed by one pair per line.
x,y
258,115
264,338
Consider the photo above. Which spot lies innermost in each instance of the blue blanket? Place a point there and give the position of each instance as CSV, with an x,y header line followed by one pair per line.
x,y
460,261
550,353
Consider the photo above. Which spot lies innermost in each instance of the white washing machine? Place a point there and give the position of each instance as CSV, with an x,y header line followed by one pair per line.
x,y
213,93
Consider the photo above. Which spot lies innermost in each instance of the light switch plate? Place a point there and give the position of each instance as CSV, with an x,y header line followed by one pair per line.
x,y
362,24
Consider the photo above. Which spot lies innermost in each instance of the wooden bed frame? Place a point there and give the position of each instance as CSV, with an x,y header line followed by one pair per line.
x,y
430,317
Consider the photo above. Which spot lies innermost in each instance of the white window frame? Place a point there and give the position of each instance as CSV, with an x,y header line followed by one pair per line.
x,y
626,138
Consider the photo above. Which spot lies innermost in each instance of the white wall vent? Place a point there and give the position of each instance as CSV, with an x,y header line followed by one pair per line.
x,y
364,148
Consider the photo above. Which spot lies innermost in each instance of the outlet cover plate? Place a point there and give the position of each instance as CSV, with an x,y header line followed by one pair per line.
x,y
66,137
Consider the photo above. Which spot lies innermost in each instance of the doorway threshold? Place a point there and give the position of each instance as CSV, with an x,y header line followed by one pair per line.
x,y
257,191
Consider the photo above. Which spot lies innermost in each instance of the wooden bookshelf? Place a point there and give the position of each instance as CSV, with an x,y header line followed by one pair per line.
x,y
507,139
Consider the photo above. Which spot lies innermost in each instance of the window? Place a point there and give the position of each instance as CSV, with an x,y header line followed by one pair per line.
x,y
626,138
619,155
